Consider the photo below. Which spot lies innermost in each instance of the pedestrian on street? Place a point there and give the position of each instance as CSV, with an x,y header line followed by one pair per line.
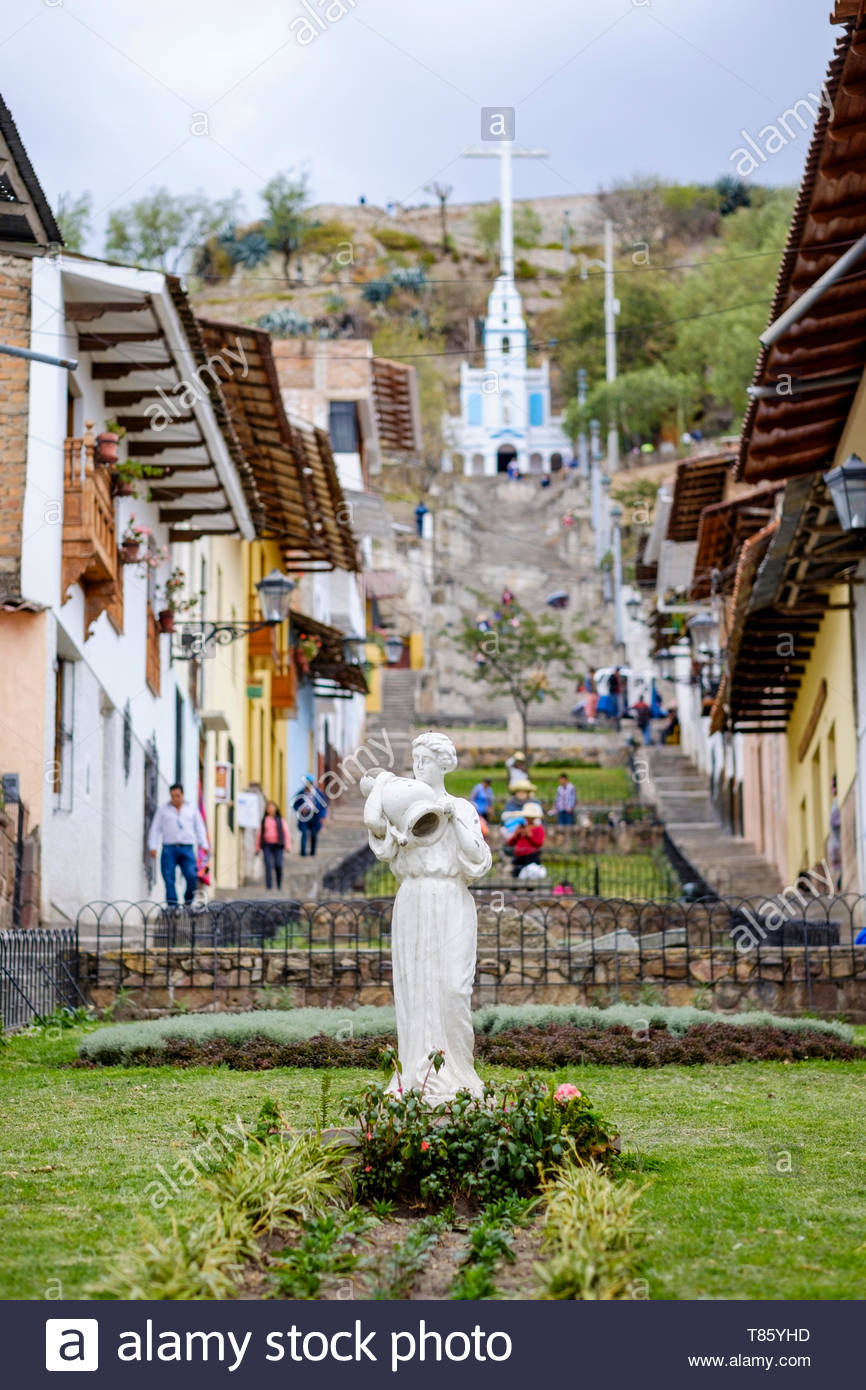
x,y
420,512
311,808
481,797
565,801
273,840
180,828
643,719
527,839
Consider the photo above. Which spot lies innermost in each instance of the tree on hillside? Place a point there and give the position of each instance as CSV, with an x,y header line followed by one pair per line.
x,y
515,653
722,305
485,220
163,230
527,226
644,331
635,207
644,402
328,241
285,197
442,191
73,219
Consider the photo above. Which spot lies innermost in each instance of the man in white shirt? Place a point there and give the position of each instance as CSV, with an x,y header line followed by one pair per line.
x,y
180,828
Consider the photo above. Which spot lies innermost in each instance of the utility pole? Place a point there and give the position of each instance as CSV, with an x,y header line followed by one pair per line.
x,y
611,309
582,450
566,240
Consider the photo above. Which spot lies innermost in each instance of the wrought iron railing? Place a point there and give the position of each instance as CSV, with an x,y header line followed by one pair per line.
x,y
38,974
523,939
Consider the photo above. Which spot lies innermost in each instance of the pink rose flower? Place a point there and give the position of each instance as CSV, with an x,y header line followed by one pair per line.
x,y
566,1092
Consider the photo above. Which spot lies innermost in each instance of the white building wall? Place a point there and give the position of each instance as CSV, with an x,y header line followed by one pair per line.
x,y
93,831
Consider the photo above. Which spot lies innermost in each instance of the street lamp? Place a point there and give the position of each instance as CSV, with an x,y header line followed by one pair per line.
x,y
393,649
633,607
195,640
700,626
353,648
275,592
847,487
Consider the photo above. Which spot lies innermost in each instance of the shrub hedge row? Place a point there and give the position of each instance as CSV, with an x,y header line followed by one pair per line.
x,y
296,1026
552,1046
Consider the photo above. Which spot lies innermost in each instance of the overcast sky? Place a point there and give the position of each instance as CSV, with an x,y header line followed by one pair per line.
x,y
107,94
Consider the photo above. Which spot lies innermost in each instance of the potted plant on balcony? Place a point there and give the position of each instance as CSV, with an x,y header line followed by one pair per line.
x,y
174,600
132,540
306,650
107,442
125,478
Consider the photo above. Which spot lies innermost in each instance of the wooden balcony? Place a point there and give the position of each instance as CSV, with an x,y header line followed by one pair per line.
x,y
261,645
89,534
152,663
284,690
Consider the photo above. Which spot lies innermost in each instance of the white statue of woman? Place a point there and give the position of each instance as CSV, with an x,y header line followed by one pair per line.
x,y
434,845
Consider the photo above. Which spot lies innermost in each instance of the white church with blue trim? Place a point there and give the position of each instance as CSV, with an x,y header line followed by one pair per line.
x,y
505,417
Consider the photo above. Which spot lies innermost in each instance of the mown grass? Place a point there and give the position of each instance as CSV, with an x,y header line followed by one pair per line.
x,y
723,1217
601,785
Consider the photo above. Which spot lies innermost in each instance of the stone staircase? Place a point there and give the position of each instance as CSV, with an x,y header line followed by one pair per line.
x,y
398,714
681,793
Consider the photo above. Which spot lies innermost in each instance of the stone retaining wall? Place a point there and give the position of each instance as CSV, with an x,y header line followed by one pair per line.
x,y
232,978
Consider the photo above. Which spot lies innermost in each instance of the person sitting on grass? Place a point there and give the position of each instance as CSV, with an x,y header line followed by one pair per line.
x,y
527,838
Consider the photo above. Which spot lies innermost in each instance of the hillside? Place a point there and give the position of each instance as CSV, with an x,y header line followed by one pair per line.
x,y
695,270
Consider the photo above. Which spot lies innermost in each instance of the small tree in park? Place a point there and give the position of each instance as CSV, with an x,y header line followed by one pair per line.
x,y
517,654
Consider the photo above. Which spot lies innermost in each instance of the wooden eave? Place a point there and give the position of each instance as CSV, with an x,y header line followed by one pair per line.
x,y
699,483
789,435
296,478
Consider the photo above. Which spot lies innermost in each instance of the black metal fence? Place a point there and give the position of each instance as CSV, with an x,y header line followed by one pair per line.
x,y
584,875
38,974
525,940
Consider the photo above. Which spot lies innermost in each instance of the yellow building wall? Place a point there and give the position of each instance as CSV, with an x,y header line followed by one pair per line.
x,y
267,729
416,651
832,746
226,693
373,654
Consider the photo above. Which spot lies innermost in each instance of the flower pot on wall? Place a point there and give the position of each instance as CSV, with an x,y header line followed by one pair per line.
x,y
122,487
165,618
106,447
129,552
302,664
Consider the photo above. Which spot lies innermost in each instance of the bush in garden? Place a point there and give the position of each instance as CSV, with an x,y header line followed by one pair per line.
x,y
482,1147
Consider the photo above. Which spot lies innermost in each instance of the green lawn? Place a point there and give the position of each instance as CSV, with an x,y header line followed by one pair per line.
x,y
605,785
724,1219
631,876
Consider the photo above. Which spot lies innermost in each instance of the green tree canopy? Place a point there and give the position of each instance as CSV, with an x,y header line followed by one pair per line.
x,y
285,197
163,230
73,218
516,654
643,401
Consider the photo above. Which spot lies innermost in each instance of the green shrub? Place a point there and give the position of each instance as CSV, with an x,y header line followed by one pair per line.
x,y
121,1042
277,1183
325,1249
484,1147
590,1235
393,239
